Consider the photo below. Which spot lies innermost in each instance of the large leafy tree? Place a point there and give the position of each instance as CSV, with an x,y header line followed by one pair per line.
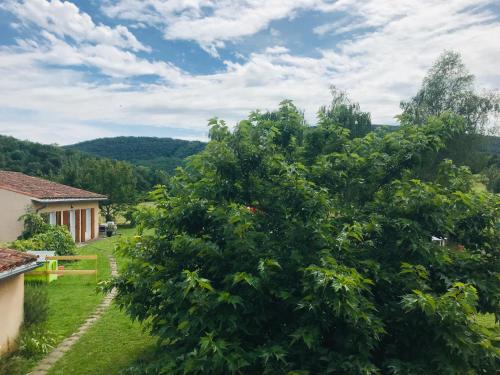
x,y
449,87
116,179
286,249
347,114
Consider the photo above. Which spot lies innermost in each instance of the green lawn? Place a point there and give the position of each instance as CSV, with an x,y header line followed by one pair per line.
x,y
73,298
112,344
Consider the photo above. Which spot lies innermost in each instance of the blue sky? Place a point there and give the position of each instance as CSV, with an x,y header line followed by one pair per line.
x,y
79,70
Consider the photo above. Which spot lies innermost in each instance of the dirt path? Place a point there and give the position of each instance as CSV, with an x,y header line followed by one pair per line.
x,y
46,364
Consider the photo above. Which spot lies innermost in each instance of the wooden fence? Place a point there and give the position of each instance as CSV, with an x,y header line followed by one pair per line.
x,y
63,272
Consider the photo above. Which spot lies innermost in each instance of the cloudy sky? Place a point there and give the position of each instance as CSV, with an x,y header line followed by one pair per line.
x,y
71,71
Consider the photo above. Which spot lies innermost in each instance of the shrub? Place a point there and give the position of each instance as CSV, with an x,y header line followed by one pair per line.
x,y
54,238
35,341
57,239
130,213
260,259
33,225
12,364
36,303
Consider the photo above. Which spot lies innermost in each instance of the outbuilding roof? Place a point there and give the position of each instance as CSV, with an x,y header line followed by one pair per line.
x,y
11,259
41,189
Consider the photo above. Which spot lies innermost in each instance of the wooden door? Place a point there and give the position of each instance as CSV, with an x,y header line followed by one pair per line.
x,y
65,217
77,226
83,225
92,223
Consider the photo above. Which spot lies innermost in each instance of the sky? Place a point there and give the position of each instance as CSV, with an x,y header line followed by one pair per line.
x,y
78,70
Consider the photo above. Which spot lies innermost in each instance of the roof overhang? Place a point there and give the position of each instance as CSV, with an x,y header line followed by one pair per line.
x,y
18,270
67,200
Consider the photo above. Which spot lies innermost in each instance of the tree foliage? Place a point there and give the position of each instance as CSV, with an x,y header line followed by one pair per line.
x,y
347,114
158,153
289,249
449,87
122,182
39,235
115,179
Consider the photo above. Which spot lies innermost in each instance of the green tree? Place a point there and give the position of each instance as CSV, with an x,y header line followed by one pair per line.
x,y
262,257
449,87
75,168
347,114
115,179
33,224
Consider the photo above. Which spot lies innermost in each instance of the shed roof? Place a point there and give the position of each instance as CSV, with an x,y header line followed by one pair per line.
x,y
43,189
10,259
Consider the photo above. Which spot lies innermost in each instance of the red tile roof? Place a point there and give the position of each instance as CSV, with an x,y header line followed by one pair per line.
x,y
10,259
42,189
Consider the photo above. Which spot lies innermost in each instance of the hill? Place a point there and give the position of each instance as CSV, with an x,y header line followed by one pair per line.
x,y
73,167
158,153
32,158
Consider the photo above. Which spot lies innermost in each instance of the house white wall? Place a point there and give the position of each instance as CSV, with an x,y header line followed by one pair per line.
x,y
73,206
11,311
12,206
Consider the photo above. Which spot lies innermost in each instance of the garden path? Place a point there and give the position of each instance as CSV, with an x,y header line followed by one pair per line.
x,y
46,364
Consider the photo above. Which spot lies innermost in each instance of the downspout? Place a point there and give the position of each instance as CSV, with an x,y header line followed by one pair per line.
x,y
44,205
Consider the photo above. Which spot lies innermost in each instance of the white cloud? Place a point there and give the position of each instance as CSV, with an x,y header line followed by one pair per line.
x,y
277,50
111,50
209,23
344,25
64,19
378,68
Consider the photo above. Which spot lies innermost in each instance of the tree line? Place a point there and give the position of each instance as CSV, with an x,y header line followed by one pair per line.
x,y
157,153
122,182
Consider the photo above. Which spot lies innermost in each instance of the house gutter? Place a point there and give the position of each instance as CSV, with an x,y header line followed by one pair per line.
x,y
18,270
44,205
67,200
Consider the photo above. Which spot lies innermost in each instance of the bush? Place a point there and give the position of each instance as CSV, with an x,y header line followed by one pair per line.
x,y
129,213
12,364
33,225
57,239
260,259
36,341
54,238
36,303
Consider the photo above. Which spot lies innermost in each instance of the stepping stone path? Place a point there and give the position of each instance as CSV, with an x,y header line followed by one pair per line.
x,y
46,364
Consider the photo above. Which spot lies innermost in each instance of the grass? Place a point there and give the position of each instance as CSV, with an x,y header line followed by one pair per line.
x,y
72,298
110,346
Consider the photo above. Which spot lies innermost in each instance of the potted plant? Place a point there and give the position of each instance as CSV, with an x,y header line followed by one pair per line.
x,y
110,228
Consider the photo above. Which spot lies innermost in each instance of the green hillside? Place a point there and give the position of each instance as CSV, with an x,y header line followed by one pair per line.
x,y
73,167
158,153
32,158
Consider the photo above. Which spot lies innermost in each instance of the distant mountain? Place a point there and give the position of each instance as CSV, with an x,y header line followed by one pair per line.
x,y
69,166
31,158
158,153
